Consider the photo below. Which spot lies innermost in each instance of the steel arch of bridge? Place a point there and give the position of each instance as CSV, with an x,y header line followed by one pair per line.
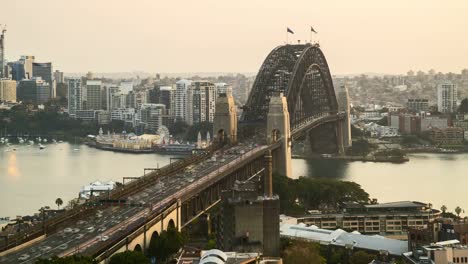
x,y
301,72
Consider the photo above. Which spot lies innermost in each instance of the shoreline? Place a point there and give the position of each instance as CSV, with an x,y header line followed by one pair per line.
x,y
355,158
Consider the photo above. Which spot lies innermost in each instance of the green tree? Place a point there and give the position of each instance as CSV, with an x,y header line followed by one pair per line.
x,y
458,210
463,108
361,257
168,243
58,202
67,260
443,208
129,257
301,252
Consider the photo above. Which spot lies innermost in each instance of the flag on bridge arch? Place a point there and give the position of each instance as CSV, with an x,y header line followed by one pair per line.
x,y
289,30
313,30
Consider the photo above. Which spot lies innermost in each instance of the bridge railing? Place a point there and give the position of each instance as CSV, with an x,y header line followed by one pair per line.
x,y
119,192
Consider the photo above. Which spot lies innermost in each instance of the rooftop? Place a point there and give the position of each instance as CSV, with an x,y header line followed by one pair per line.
x,y
342,238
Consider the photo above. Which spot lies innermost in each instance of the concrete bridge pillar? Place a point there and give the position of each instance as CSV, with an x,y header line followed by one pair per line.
x,y
278,129
225,120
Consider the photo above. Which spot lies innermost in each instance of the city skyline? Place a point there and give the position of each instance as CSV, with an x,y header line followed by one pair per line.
x,y
213,37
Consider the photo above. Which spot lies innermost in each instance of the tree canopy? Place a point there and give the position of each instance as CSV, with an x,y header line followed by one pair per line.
x,y
301,252
168,243
303,194
463,108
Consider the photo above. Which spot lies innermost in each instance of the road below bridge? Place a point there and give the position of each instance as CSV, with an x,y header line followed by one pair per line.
x,y
91,234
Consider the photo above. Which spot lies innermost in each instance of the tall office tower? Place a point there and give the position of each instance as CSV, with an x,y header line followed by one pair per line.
x,y
58,77
93,95
182,87
27,61
45,71
141,97
151,116
75,96
33,91
172,108
447,97
201,101
7,91
2,52
343,106
223,88
130,100
17,72
112,92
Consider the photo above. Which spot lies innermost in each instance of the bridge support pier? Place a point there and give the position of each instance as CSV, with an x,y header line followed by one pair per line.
x,y
278,129
225,120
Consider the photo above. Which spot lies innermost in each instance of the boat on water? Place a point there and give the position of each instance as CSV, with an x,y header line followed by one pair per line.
x,y
44,140
41,146
30,142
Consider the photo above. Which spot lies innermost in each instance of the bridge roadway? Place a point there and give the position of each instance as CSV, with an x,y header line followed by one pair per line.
x,y
109,224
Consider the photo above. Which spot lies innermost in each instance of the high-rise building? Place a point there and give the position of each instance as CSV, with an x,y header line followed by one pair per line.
x,y
152,116
45,71
223,88
27,61
130,100
7,91
75,96
417,105
17,71
182,87
447,97
2,52
112,92
93,95
33,91
201,101
58,77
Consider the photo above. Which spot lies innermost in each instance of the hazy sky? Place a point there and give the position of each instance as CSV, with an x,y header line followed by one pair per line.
x,y
385,36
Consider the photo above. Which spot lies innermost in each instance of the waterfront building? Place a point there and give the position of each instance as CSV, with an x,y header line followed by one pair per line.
x,y
430,122
405,123
75,96
93,94
128,115
45,71
444,252
417,105
341,238
86,115
7,91
34,91
385,218
447,97
152,116
181,109
449,136
201,101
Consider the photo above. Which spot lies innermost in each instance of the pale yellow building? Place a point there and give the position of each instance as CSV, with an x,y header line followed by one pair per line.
x,y
8,91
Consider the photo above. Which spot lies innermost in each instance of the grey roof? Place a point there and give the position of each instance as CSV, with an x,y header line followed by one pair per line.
x,y
340,237
401,204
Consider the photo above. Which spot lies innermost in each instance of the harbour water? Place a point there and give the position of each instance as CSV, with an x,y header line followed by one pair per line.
x,y
440,179
31,178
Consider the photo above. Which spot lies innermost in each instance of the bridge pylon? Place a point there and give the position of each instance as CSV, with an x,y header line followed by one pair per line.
x,y
225,120
278,129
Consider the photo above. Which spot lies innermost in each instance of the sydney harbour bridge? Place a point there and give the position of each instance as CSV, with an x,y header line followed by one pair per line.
x,y
293,98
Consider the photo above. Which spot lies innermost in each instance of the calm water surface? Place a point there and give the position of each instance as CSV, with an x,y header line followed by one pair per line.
x,y
31,178
433,178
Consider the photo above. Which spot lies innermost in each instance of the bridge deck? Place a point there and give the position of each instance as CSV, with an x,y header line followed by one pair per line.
x,y
116,222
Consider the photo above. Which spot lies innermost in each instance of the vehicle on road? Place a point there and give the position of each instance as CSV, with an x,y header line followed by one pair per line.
x,y
23,257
